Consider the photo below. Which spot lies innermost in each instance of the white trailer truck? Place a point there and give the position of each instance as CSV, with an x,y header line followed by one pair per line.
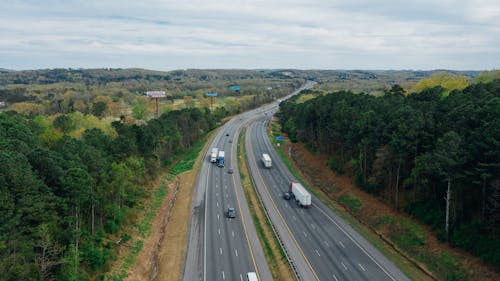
x,y
266,159
301,195
213,155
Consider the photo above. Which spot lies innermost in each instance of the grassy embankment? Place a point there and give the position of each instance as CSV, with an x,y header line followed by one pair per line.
x,y
140,231
275,257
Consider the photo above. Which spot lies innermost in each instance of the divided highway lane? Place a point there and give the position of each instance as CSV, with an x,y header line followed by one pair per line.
x,y
332,249
221,248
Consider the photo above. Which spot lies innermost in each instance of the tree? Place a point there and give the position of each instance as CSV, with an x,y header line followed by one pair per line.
x,y
139,111
64,123
99,108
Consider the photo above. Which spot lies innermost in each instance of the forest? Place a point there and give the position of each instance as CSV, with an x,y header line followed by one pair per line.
x,y
415,151
60,201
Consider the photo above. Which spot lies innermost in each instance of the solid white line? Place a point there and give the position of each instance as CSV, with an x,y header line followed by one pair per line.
x,y
357,244
361,267
317,252
335,277
344,265
341,244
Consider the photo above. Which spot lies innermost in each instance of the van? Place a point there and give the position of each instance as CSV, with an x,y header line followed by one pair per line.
x,y
251,276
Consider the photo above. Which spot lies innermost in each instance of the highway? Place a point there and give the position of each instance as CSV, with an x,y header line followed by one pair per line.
x,y
220,248
320,244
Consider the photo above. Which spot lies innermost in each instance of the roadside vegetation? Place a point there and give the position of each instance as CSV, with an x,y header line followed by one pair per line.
x,y
411,151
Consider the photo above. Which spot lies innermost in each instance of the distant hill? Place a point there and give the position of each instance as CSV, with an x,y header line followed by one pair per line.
x,y
106,75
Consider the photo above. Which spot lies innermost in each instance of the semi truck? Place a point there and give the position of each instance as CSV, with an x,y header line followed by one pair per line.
x,y
301,195
213,155
220,159
266,159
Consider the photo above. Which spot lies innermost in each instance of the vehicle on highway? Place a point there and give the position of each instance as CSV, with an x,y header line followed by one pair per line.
x,y
230,170
213,155
252,276
227,135
231,213
286,195
301,195
266,159
220,159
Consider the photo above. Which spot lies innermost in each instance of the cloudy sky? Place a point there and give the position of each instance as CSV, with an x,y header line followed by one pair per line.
x,y
305,34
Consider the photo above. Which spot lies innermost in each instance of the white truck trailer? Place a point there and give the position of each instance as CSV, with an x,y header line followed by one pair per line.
x,y
301,195
213,155
266,159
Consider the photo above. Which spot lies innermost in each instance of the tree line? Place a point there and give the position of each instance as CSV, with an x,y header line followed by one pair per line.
x,y
60,201
432,154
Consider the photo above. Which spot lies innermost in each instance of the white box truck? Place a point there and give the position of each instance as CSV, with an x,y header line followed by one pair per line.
x,y
301,195
266,159
213,155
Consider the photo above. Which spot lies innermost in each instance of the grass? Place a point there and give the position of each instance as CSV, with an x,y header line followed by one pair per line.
x,y
280,269
187,162
350,202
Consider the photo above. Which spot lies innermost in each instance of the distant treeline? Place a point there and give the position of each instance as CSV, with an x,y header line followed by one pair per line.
x,y
59,203
408,149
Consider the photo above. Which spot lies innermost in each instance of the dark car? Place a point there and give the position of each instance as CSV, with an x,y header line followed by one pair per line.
x,y
287,195
231,213
227,135
230,170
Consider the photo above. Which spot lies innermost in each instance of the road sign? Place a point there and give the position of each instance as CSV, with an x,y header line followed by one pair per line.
x,y
156,94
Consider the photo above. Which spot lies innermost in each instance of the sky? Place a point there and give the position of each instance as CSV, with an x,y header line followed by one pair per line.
x,y
250,34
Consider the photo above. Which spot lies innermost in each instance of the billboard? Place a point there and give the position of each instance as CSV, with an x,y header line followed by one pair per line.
x,y
235,88
211,94
156,94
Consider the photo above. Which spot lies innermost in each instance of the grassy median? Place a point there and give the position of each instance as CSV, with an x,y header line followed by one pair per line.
x,y
275,257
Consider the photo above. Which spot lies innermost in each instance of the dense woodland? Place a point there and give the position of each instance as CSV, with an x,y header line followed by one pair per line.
x,y
60,202
411,149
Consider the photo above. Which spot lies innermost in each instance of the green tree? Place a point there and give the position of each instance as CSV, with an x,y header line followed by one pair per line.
x,y
139,111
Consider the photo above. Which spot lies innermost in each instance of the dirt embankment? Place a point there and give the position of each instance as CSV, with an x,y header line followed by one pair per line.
x,y
314,169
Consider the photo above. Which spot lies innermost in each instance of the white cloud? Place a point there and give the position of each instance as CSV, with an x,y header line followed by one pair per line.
x,y
358,34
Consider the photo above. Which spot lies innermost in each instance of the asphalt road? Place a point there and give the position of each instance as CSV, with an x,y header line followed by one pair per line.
x,y
320,244
220,248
